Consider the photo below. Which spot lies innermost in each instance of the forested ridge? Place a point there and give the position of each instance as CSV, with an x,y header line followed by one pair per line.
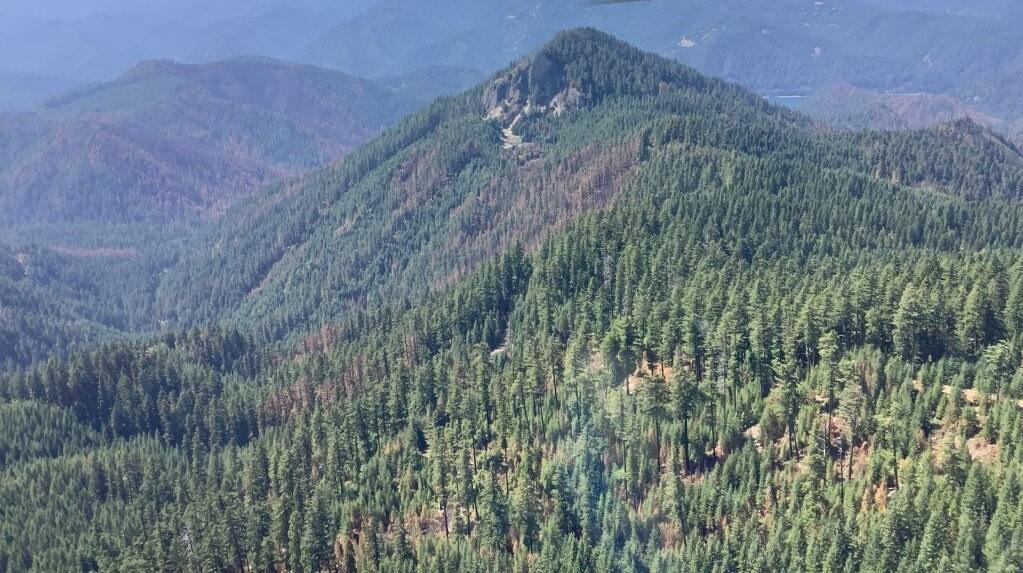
x,y
601,313
565,130
168,141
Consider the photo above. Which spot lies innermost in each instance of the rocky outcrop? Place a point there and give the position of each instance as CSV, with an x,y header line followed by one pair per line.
x,y
537,86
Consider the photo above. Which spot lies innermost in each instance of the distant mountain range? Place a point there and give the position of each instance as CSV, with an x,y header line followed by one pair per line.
x,y
24,92
969,51
792,46
170,139
843,105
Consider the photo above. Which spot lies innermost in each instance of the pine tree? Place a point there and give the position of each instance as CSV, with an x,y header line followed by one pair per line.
x,y
975,322
686,398
908,324
972,521
525,503
315,541
653,400
933,542
493,514
438,456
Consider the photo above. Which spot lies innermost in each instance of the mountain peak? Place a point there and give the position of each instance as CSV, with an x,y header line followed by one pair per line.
x,y
147,68
577,65
581,67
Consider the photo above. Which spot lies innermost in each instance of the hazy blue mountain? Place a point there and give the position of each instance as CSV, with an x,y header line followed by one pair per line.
x,y
846,106
431,82
23,92
969,51
99,40
169,139
989,8
790,46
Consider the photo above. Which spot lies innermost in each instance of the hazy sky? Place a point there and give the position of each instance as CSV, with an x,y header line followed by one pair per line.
x,y
197,9
99,39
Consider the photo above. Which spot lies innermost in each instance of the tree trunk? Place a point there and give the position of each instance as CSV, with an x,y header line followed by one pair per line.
x,y
444,512
657,445
685,444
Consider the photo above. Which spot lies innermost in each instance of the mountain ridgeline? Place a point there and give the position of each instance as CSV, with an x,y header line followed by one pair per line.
x,y
169,141
599,313
565,131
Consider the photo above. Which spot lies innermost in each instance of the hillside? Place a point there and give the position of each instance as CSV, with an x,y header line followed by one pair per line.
x,y
534,147
47,304
850,107
600,313
168,140
77,292
542,142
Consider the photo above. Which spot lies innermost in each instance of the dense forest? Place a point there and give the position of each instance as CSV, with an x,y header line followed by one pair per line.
x,y
566,131
600,313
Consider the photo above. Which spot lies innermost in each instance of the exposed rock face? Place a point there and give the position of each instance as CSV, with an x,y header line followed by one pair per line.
x,y
546,78
535,87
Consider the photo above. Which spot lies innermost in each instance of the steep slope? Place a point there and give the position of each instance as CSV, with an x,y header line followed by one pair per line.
x,y
48,302
169,140
558,134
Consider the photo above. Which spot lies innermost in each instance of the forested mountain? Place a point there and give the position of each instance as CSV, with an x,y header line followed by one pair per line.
x,y
47,304
78,291
549,138
169,140
599,313
540,143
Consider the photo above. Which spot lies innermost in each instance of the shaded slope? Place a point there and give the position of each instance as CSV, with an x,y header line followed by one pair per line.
x,y
48,302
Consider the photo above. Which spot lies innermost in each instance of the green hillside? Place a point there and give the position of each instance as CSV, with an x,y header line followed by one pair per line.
x,y
551,137
600,313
